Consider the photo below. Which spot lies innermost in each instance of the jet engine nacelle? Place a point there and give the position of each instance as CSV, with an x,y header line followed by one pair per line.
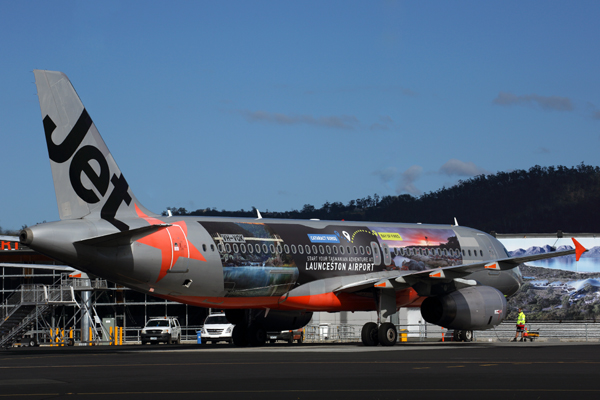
x,y
472,308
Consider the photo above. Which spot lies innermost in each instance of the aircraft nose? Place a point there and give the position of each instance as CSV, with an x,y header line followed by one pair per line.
x,y
26,236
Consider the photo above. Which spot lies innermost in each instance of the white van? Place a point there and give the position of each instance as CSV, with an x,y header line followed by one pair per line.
x,y
216,329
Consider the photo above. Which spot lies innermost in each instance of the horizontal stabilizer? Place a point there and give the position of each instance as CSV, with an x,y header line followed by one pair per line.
x,y
64,268
123,238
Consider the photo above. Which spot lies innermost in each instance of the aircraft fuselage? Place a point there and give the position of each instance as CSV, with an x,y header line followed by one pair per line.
x,y
279,264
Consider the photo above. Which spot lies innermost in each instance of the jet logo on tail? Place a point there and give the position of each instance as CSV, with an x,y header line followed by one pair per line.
x,y
80,164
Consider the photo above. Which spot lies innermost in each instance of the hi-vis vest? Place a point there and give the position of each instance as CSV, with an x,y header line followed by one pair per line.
x,y
521,318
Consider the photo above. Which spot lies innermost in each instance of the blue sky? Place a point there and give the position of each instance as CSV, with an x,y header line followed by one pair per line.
x,y
278,104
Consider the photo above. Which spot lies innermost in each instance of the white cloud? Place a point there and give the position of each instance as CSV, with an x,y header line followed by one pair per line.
x,y
406,181
456,167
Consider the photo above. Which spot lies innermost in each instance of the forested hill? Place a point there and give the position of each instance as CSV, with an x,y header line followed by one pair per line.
x,y
542,199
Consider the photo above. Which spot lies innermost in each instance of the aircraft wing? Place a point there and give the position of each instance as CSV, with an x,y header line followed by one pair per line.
x,y
404,279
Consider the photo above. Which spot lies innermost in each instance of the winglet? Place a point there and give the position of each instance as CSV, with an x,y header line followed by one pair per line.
x,y
579,249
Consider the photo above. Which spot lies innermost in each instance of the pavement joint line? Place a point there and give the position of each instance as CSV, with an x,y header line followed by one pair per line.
x,y
380,390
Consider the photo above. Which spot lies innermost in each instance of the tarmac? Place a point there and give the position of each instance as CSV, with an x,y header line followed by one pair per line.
x,y
497,370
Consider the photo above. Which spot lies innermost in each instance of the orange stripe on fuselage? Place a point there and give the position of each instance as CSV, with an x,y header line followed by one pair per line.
x,y
319,302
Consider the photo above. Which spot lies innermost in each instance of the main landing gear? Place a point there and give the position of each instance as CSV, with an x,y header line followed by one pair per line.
x,y
462,336
251,326
252,335
385,334
246,331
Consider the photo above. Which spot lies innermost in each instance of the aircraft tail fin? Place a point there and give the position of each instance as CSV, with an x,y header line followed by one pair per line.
x,y
87,180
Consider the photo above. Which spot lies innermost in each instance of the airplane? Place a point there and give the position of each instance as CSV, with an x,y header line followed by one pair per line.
x,y
267,274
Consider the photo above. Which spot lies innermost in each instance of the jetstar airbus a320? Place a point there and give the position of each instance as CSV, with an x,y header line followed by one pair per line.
x,y
268,274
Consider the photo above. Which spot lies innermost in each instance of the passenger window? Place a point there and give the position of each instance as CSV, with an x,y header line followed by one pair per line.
x,y
257,248
293,249
228,247
481,253
362,250
307,248
243,247
300,249
203,247
272,248
341,249
212,247
286,248
250,248
355,250
314,248
279,248
335,250
321,249
235,248
328,247
348,248
265,248
469,252
368,250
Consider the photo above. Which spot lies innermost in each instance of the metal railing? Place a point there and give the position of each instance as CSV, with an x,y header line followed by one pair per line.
x,y
583,331
28,303
548,331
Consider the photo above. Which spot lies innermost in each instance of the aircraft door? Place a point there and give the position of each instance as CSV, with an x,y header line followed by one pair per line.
x,y
179,244
376,253
488,249
387,257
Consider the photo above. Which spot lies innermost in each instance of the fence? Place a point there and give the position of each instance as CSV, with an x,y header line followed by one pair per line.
x,y
584,331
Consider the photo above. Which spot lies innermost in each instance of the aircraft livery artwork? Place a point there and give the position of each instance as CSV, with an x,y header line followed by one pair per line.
x,y
267,274
258,261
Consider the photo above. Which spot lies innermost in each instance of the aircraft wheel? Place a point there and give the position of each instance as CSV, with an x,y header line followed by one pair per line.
x,y
387,334
32,343
291,340
456,335
238,336
466,336
368,334
300,339
256,336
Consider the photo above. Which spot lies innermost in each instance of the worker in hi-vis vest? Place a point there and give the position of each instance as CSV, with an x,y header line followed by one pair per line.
x,y
520,326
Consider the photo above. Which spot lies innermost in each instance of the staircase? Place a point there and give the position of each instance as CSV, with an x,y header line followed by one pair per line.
x,y
27,304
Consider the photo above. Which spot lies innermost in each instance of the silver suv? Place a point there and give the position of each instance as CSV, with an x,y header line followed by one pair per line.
x,y
162,329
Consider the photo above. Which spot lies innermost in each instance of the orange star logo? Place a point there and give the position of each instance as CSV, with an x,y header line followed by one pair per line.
x,y
171,241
